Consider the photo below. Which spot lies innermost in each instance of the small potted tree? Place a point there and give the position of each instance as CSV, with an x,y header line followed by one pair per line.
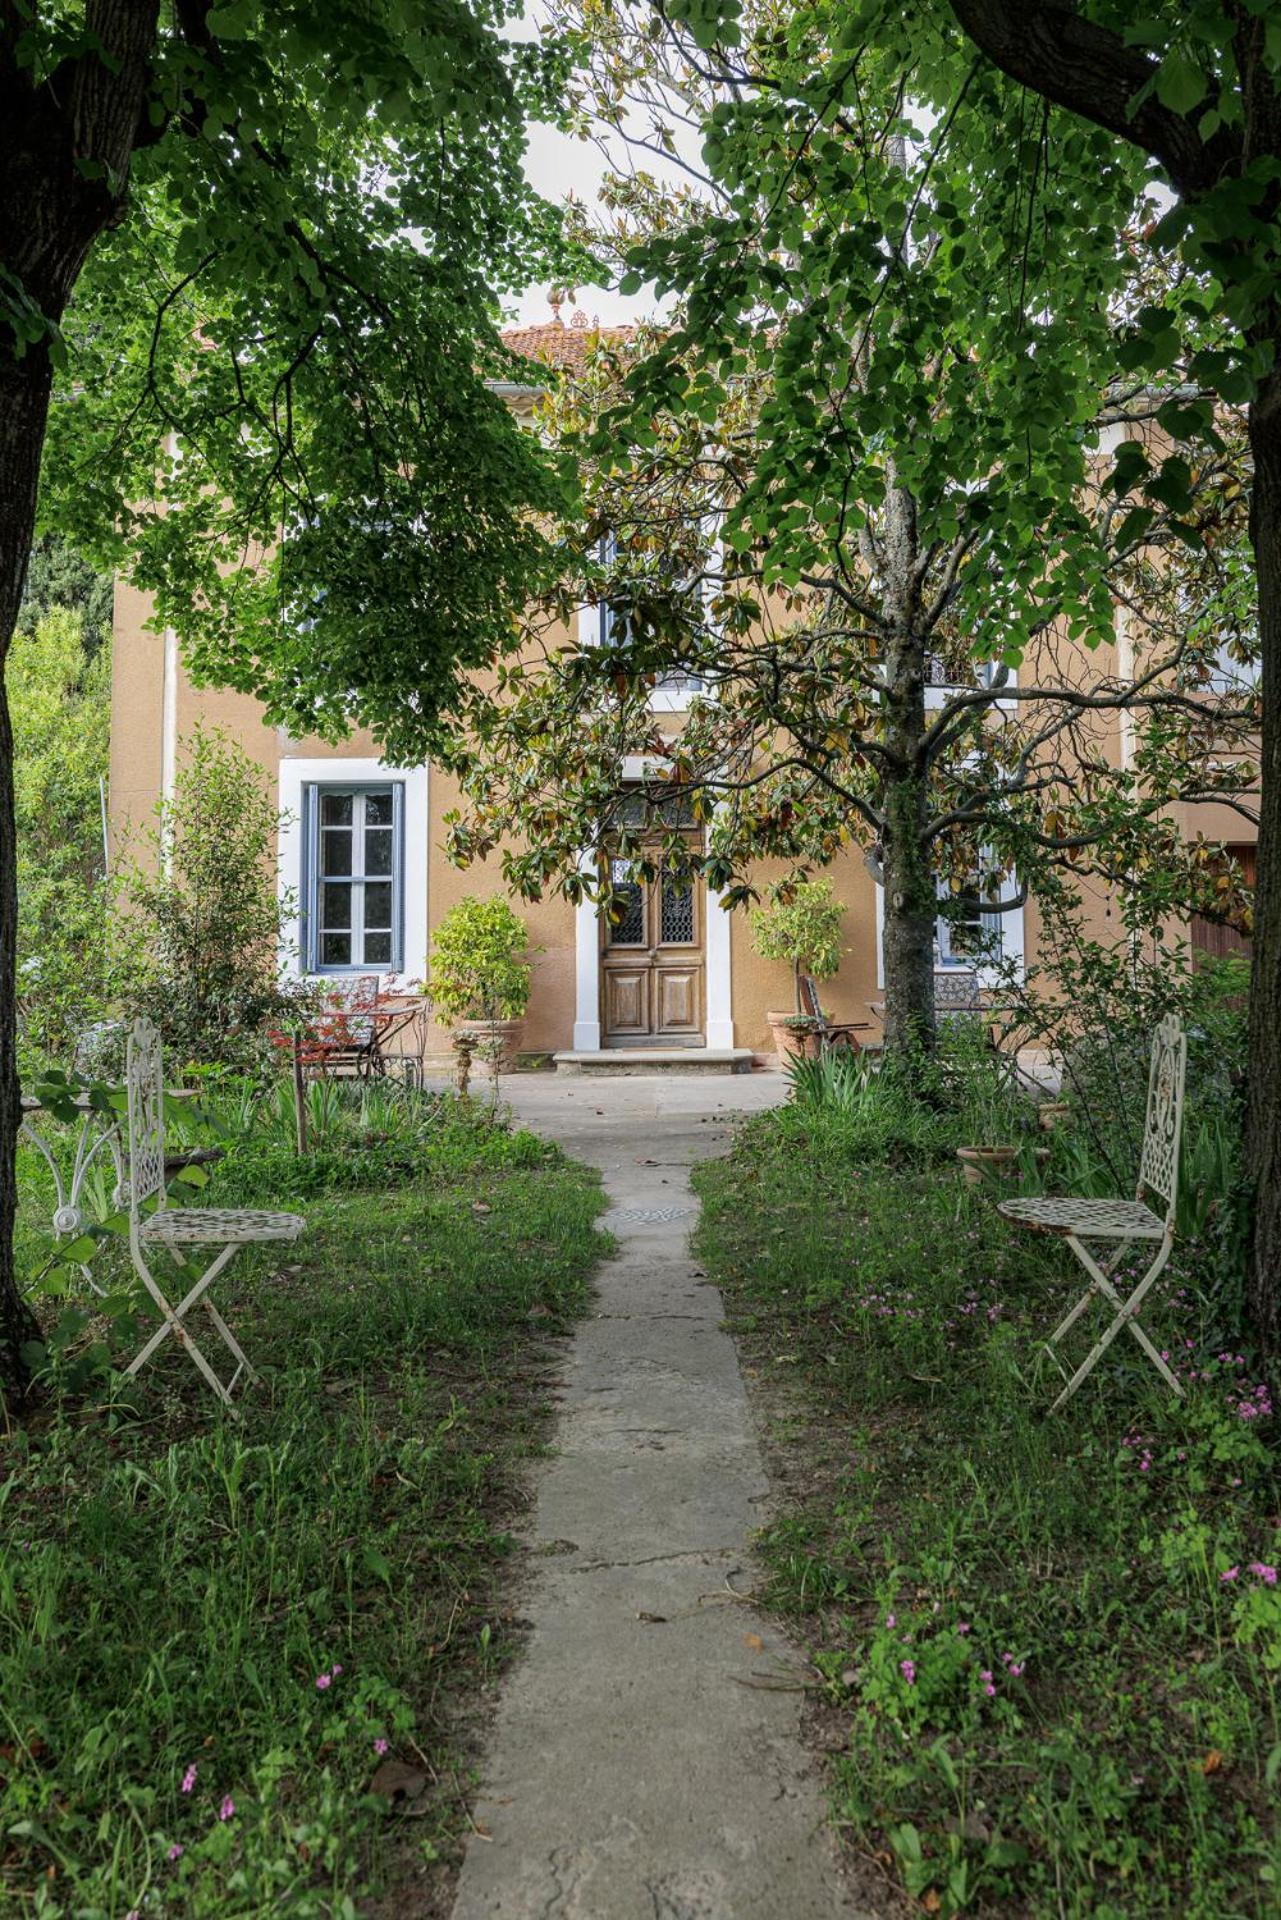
x,y
479,982
802,927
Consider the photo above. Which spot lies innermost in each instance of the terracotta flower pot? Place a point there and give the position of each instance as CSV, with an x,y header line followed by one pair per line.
x,y
497,1044
791,1042
1051,1113
981,1164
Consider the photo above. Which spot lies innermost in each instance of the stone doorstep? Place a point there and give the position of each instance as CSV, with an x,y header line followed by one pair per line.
x,y
621,1060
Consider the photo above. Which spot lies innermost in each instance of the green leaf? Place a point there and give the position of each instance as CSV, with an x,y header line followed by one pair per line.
x,y
1180,84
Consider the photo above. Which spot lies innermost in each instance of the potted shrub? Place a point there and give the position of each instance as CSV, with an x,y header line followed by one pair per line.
x,y
479,982
803,928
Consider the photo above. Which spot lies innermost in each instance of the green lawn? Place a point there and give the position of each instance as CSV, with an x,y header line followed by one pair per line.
x,y
214,1632
1047,1650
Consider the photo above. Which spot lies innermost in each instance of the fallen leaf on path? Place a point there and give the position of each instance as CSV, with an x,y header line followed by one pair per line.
x,y
754,1641
653,1619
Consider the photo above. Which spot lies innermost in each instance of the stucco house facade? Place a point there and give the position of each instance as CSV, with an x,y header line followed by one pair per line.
x,y
361,855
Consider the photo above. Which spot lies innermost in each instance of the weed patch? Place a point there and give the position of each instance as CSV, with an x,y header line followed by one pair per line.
x,y
238,1658
1047,1649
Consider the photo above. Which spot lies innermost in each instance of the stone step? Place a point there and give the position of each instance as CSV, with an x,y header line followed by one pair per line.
x,y
616,1060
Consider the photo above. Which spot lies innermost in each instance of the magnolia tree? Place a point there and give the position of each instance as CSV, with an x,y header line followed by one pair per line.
x,y
852,492
249,257
1189,92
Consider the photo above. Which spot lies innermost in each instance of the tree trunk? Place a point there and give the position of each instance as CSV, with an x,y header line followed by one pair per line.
x,y
24,404
66,143
911,895
910,915
1263,1123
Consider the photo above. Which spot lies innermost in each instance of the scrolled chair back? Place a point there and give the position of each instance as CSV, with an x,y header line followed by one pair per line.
x,y
1163,1124
145,1097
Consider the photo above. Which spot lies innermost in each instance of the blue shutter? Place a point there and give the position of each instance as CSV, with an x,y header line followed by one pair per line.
x,y
308,878
398,876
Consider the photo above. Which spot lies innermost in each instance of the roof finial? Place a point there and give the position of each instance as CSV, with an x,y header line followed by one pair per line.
x,y
556,300
579,318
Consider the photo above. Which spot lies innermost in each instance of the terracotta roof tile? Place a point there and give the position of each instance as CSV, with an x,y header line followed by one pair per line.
x,y
558,345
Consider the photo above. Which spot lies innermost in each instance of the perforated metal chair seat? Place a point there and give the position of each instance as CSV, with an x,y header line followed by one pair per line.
x,y
1087,1219
220,1226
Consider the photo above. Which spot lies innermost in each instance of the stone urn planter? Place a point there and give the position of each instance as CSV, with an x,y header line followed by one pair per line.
x,y
983,1164
793,1036
496,1045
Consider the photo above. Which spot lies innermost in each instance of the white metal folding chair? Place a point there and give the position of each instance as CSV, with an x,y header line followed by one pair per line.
x,y
1119,1223
176,1227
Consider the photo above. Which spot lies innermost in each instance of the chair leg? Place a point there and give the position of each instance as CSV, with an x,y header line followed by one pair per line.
x,y
231,1341
172,1318
1125,1316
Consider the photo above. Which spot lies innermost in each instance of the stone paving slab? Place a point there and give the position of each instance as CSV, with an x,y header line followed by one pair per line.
x,y
646,1761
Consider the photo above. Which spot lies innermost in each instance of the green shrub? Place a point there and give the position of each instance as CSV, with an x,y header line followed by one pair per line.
x,y
204,915
802,927
59,699
476,969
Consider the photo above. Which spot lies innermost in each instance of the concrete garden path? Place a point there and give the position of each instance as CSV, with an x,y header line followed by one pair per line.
x,y
647,1762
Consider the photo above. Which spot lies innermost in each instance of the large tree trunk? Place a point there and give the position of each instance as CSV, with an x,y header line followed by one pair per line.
x,y
1263,1125
24,404
911,894
910,917
66,143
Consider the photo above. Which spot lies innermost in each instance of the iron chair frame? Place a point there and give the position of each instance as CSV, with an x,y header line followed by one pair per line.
x,y
228,1229
1120,1223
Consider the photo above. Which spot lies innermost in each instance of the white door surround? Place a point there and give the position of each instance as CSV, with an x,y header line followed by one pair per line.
x,y
720,1016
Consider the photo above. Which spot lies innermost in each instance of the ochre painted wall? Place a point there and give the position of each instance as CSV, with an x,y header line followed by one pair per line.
x,y
758,986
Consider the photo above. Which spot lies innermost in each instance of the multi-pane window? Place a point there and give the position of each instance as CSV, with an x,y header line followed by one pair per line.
x,y
971,933
354,878
610,622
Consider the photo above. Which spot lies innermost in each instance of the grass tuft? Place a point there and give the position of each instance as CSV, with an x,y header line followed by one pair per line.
x,y
1049,1648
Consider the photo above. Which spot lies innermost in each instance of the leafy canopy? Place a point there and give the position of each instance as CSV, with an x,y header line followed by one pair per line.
x,y
276,396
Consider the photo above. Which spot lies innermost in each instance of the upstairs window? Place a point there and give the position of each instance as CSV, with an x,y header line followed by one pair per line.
x,y
353,878
609,622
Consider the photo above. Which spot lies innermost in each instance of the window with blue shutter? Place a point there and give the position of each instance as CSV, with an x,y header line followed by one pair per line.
x,y
353,880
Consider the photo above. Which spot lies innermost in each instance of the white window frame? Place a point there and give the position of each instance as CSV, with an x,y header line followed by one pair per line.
x,y
314,877
1010,923
345,771
594,625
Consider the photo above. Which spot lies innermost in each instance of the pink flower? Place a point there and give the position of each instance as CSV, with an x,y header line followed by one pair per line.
x,y
380,1745
962,1626
227,1809
891,1620
334,1671
175,1852
1231,1574
189,1778
986,1677
1267,1574
322,1681
908,1670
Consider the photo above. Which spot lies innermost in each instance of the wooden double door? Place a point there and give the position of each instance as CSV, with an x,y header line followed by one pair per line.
x,y
652,962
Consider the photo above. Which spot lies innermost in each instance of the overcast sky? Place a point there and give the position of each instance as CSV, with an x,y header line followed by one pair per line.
x,y
556,166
